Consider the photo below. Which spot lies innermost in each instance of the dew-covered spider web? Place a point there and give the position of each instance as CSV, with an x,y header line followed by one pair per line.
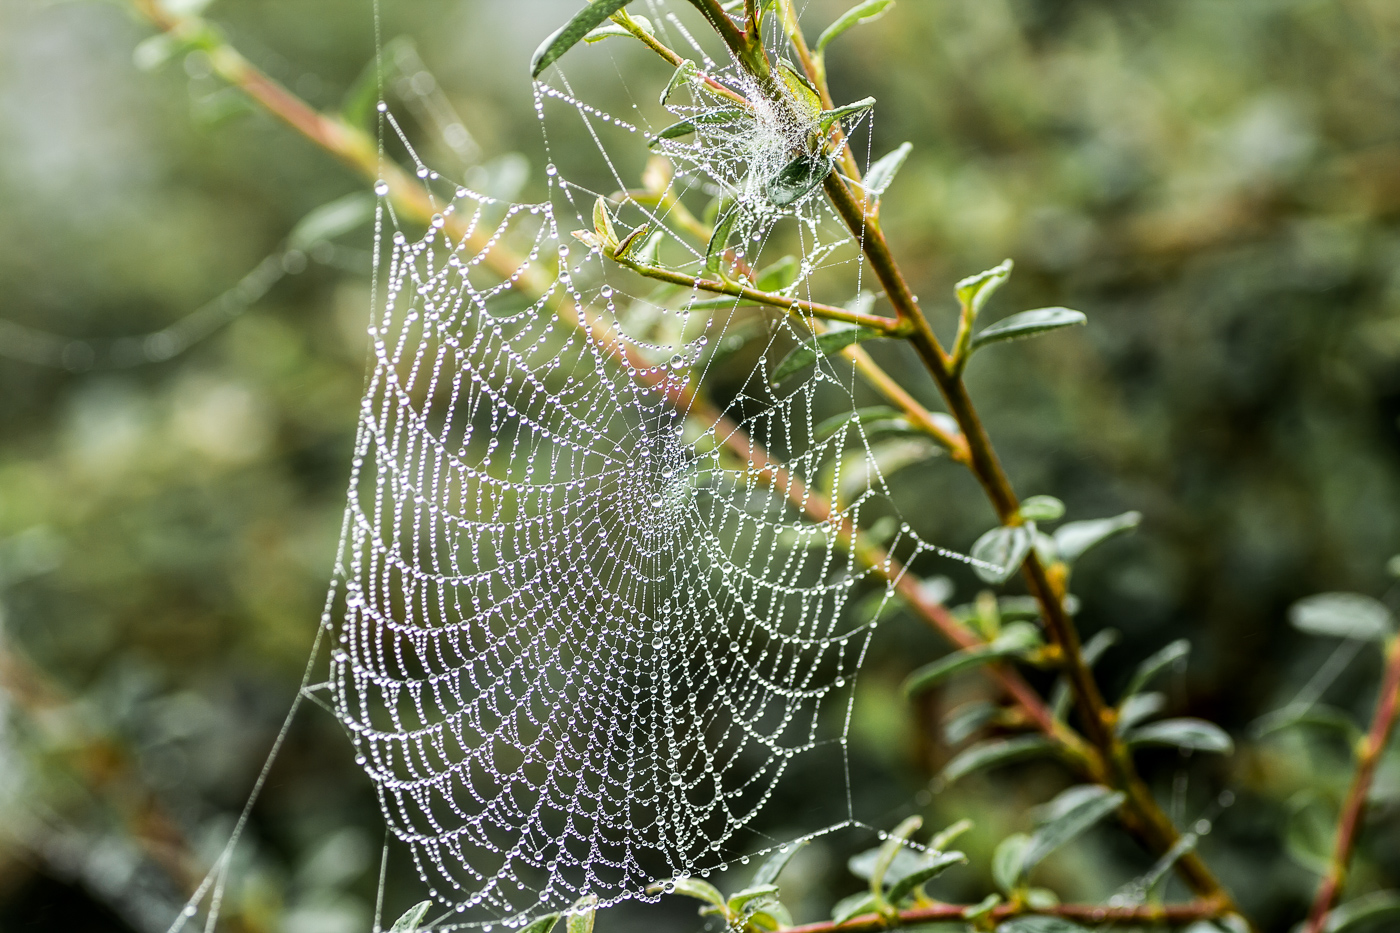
x,y
599,599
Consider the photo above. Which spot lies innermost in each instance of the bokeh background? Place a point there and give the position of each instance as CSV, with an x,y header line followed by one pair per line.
x,y
1217,185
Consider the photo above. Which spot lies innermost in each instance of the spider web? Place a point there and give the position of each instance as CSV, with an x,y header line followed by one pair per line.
x,y
599,600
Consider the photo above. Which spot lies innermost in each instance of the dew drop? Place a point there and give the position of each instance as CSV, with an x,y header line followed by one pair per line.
x,y
381,187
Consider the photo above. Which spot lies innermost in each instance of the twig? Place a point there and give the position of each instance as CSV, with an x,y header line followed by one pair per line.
x,y
1368,755
1166,914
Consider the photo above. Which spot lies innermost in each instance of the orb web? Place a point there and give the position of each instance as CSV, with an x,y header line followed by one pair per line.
x,y
598,575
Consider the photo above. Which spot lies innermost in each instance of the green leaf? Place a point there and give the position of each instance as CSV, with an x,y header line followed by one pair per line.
x,y
1195,734
572,32
685,71
863,416
1310,833
800,88
691,124
602,222
1040,924
1171,655
1042,509
822,346
752,898
932,865
1365,910
974,290
719,239
1007,859
1028,324
1004,549
582,915
1316,714
1016,638
700,890
1093,649
796,179
943,837
893,846
862,865
1072,539
408,922
632,242
1138,709
860,13
773,866
829,118
1072,813
609,30
1343,615
542,924
967,719
882,173
331,220
779,275
982,908
854,906
997,752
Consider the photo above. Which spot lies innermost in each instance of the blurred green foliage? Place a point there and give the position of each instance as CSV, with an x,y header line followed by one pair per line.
x,y
1216,184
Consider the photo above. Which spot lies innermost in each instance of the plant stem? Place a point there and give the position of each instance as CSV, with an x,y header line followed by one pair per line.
x,y
1165,914
1368,755
887,326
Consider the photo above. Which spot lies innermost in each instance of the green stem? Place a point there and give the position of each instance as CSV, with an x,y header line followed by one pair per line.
x,y
1164,914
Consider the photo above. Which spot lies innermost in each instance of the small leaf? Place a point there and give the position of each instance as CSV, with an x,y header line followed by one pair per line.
x,y
1138,709
829,118
632,242
801,89
997,752
1036,923
1004,549
1364,910
609,30
1195,734
751,898
721,118
1093,649
1310,834
779,275
408,923
542,924
974,290
983,907
1028,324
331,220
822,346
1316,714
769,871
1016,638
796,179
582,915
602,223
943,837
854,906
1042,509
862,865
863,416
1171,655
719,240
893,846
572,32
1072,539
700,890
967,719
1079,808
1343,615
882,173
860,13
685,71
933,864
1007,860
